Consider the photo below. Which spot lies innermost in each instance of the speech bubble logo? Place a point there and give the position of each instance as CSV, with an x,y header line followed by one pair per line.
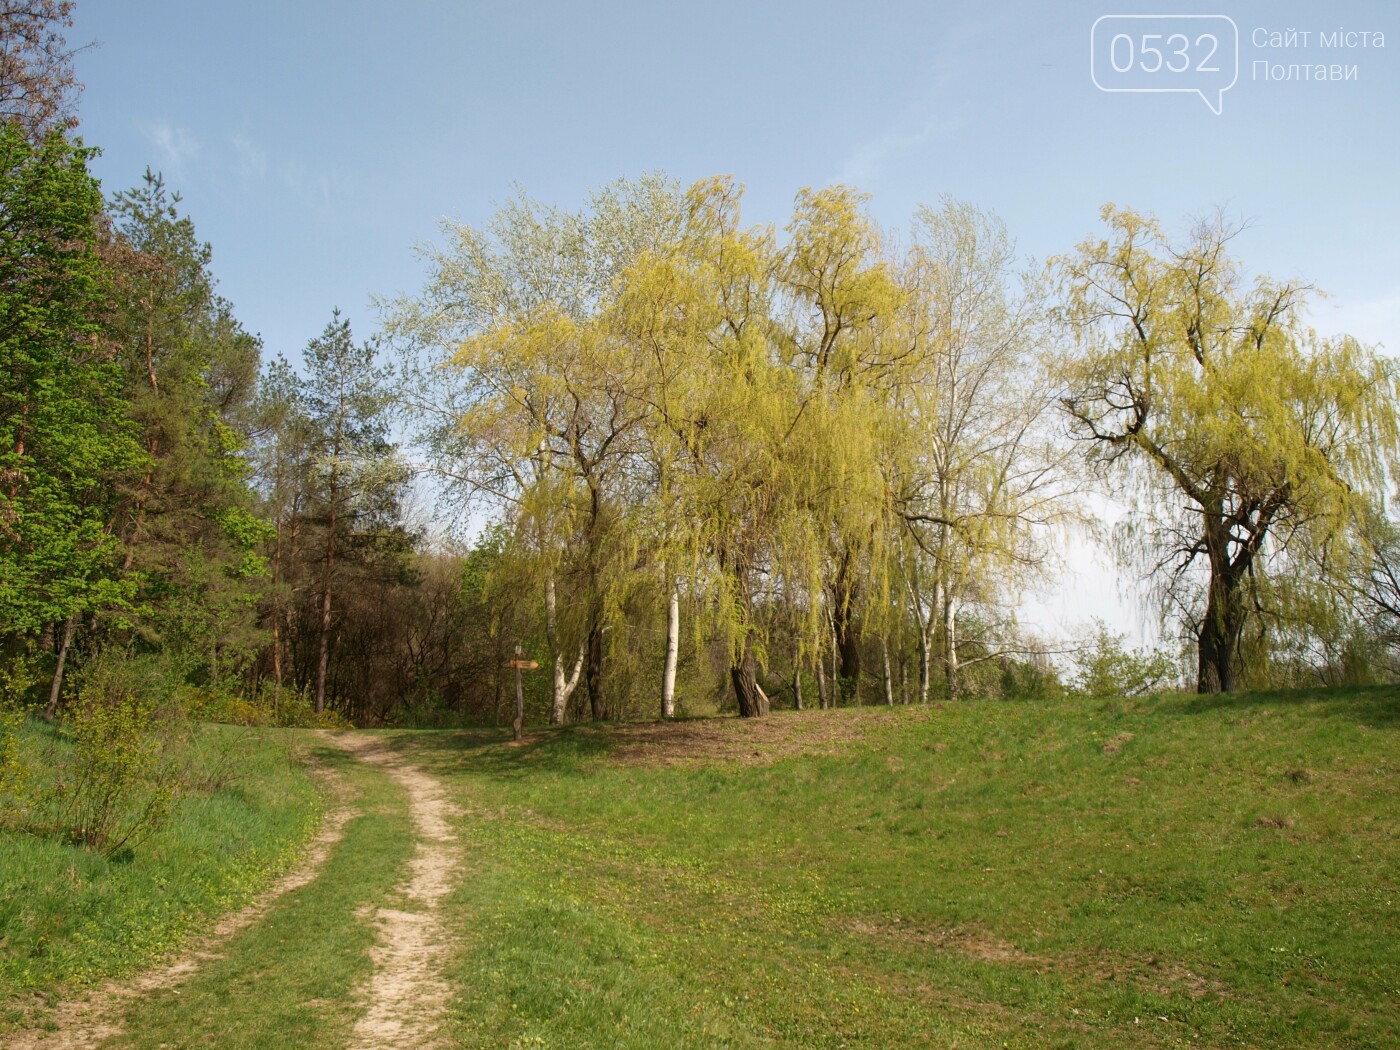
x,y
1198,54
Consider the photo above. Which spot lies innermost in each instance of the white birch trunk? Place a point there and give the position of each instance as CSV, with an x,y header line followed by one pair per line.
x,y
563,685
888,678
950,646
673,639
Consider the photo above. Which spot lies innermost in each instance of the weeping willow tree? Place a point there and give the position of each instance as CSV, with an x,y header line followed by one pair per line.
x,y
760,401
841,298
1243,435
664,400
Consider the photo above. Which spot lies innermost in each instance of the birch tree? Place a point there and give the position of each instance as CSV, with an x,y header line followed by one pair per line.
x,y
983,481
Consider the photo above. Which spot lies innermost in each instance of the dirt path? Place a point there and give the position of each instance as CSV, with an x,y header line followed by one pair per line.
x,y
403,1001
90,1020
405,998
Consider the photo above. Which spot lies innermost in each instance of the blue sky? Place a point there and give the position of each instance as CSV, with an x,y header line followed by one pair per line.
x,y
316,143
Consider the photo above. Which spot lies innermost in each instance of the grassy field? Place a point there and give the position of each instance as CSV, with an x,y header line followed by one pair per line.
x,y
1082,874
1148,873
70,917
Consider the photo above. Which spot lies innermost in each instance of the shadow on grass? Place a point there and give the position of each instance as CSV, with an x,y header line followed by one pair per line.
x,y
576,750
565,750
1375,706
330,756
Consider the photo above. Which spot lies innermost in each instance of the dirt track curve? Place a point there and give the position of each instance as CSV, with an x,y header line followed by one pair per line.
x,y
404,999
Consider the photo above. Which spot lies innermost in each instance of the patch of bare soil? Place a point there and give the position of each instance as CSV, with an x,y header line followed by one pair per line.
x,y
87,1022
1114,746
972,942
1160,976
406,996
754,741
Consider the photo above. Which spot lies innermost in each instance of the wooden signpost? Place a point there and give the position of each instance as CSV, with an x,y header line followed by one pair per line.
x,y
520,664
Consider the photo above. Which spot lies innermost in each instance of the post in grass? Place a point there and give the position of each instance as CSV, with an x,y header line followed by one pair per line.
x,y
520,664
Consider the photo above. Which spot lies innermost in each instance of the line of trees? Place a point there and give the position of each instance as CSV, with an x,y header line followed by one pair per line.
x,y
852,457
700,463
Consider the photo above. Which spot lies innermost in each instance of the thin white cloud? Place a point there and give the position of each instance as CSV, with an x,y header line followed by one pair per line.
x,y
325,187
176,149
254,164
872,158
938,108
1374,321
252,158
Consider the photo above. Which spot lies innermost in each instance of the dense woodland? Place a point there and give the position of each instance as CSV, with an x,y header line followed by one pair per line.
x,y
686,462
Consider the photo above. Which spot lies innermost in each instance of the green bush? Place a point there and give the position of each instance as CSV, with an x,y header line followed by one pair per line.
x,y
129,737
17,677
264,706
12,769
1105,666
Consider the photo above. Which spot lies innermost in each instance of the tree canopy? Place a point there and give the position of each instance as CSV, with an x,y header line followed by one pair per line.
x,y
1249,437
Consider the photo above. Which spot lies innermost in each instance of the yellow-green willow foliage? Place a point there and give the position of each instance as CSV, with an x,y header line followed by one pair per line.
x,y
1250,438
764,370
665,400
842,301
524,399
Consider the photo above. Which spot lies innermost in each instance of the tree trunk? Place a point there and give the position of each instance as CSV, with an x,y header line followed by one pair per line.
x,y
797,677
1219,639
323,658
823,696
324,651
843,610
277,575
753,702
888,679
276,663
594,666
51,712
297,653
673,639
950,648
925,665
848,646
835,671
563,686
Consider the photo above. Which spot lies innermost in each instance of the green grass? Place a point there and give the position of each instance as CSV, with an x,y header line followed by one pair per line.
x,y
70,917
1178,872
290,981
1154,873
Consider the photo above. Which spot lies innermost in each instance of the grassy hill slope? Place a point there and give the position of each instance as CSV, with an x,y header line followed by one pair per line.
x,y
1179,872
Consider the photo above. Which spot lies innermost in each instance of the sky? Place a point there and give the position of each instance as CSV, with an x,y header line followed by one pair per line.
x,y
315,144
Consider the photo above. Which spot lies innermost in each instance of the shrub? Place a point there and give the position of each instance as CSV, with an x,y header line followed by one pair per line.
x,y
17,677
264,706
125,771
1105,666
1031,678
12,770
